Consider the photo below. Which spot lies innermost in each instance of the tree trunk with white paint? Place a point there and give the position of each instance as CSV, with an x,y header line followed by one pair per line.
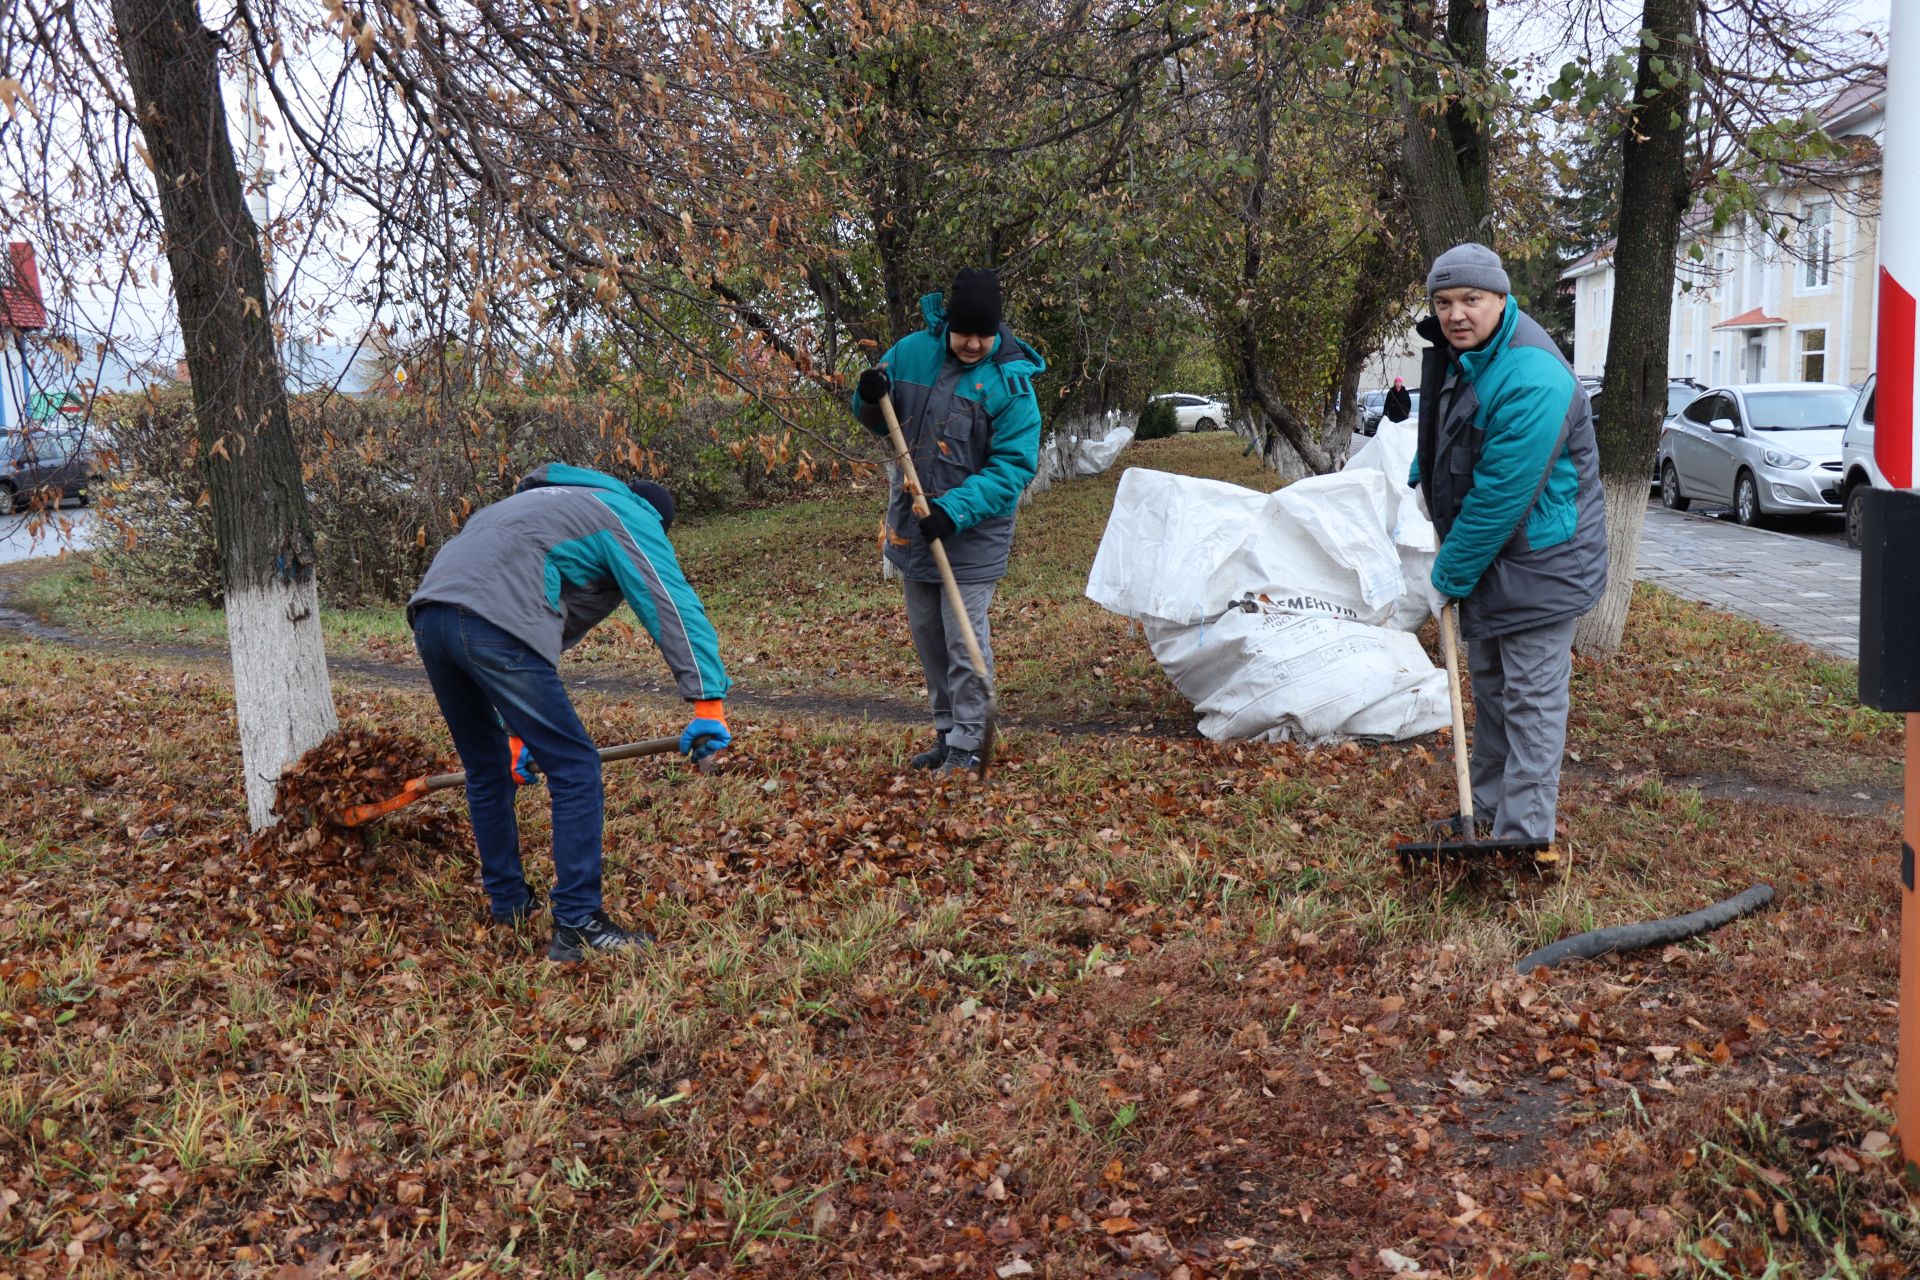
x,y
1626,517
1654,194
283,701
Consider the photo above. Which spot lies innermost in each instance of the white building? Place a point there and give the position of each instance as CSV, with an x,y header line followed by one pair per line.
x,y
1794,304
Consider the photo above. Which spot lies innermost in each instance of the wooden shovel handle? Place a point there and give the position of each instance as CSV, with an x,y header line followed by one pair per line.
x,y
420,788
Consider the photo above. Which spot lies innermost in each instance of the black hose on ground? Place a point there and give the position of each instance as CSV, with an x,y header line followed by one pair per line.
x,y
1631,937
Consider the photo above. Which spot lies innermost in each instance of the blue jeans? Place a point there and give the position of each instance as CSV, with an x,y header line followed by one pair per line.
x,y
483,676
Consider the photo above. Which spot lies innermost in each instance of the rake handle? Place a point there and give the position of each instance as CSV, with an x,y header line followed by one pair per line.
x,y
975,657
1450,651
921,509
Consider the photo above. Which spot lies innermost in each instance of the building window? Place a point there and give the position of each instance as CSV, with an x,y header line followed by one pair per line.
x,y
1813,355
1817,250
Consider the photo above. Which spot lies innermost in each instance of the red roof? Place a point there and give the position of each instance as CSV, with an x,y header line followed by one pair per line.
x,y
1754,319
20,304
1588,259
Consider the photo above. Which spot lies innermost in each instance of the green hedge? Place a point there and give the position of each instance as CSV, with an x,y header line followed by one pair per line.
x,y
1157,421
389,480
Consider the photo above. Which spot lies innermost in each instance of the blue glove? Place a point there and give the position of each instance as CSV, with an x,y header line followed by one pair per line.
x,y
709,722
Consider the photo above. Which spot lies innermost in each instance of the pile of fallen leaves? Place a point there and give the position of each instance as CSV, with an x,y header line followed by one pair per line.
x,y
353,766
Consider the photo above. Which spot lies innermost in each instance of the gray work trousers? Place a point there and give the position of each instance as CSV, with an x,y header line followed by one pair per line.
x,y
1520,727
957,695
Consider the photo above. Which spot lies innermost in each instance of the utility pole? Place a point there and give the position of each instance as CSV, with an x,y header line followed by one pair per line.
x,y
1890,552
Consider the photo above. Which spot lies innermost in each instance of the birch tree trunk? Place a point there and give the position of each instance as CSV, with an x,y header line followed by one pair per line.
x,y
1653,199
282,699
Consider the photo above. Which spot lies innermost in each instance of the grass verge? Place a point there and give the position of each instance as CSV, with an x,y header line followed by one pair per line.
x,y
1144,1006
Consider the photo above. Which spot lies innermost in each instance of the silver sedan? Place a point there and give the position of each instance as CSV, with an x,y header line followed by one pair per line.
x,y
1764,449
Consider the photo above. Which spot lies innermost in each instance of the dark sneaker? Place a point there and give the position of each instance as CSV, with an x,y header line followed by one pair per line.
x,y
599,933
957,760
933,757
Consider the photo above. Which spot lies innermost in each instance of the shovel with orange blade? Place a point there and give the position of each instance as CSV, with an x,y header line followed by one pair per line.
x,y
420,788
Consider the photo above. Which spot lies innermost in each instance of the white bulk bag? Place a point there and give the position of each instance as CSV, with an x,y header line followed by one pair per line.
x,y
1166,544
1094,456
1275,675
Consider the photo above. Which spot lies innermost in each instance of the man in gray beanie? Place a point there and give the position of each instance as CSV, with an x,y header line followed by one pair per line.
x,y
1510,472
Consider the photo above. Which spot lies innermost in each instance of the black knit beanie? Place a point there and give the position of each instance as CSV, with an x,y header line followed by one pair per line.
x,y
973,304
657,495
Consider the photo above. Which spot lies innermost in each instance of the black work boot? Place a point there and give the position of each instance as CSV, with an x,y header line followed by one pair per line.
x,y
1452,828
957,760
934,756
599,933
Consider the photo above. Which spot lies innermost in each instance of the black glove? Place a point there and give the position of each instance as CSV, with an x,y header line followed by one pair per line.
x,y
1398,405
936,524
874,384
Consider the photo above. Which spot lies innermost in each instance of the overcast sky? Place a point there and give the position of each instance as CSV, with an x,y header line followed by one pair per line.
x,y
1549,33
1540,33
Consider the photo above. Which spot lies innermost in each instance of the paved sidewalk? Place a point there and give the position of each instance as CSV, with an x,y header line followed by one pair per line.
x,y
1804,587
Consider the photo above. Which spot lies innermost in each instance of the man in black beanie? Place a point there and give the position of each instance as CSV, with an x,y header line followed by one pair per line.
x,y
962,388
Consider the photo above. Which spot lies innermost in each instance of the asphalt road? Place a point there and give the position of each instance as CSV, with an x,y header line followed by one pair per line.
x,y
1828,529
32,538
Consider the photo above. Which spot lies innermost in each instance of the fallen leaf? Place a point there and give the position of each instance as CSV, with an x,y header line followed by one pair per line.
x,y
1468,1085
1400,1264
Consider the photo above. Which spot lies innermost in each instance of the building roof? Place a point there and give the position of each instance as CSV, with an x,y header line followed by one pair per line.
x,y
1859,101
1588,263
20,303
1754,319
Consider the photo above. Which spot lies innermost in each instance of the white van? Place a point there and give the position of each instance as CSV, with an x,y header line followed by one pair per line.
x,y
1856,461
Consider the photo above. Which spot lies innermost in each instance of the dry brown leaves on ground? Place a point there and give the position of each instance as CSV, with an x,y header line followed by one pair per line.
x,y
1142,1007
355,765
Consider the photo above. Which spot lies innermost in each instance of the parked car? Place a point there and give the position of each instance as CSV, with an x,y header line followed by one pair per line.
x,y
40,459
1858,469
1373,405
1761,448
1680,392
1195,413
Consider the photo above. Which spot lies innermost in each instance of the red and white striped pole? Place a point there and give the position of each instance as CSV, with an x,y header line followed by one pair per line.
x,y
1896,421
1896,427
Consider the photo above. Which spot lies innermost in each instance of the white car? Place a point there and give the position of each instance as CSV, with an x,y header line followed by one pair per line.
x,y
1196,413
1861,472
1763,449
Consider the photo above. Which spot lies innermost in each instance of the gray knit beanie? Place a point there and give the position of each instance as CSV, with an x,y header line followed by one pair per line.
x,y
1468,266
